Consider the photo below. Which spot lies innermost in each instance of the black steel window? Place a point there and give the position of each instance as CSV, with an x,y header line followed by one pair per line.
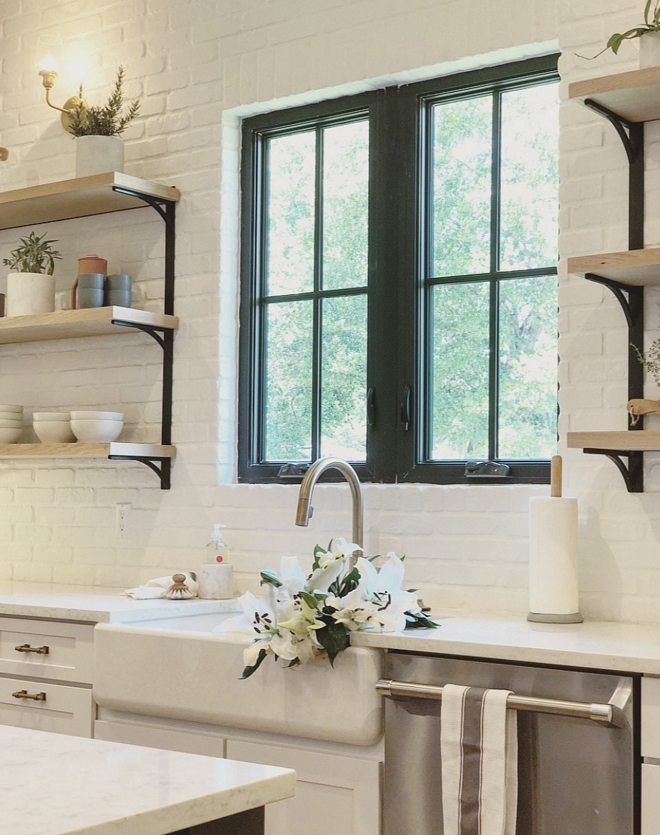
x,y
399,281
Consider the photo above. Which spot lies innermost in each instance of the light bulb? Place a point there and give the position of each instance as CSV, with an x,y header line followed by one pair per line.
x,y
48,64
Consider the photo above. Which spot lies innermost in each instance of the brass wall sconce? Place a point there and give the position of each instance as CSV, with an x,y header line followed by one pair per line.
x,y
48,73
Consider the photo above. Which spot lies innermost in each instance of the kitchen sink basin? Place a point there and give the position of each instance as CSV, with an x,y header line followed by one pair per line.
x,y
178,668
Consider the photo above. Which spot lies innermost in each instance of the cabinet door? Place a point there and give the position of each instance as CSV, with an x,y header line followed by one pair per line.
x,y
58,708
334,794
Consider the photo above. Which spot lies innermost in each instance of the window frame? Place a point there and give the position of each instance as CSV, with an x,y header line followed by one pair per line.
x,y
396,289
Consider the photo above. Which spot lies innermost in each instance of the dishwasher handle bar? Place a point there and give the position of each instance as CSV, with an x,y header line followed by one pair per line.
x,y
608,715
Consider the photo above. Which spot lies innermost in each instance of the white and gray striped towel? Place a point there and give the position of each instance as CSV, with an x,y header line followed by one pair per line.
x,y
479,750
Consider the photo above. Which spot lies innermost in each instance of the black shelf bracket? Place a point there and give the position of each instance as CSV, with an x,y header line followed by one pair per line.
x,y
633,472
163,471
166,209
630,297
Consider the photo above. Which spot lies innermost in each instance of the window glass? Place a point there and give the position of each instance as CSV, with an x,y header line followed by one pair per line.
x,y
530,177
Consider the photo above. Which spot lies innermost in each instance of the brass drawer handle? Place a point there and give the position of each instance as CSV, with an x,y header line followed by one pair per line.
x,y
28,648
23,694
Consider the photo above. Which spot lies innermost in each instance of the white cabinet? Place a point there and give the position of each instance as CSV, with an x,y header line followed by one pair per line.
x,y
340,794
46,675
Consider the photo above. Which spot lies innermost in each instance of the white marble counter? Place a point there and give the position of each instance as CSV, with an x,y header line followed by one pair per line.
x,y
626,647
96,604
52,784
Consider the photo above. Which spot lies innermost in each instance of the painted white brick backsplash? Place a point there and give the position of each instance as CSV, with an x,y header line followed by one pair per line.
x,y
197,67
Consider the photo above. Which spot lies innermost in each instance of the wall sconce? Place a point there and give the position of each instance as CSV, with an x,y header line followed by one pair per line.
x,y
48,73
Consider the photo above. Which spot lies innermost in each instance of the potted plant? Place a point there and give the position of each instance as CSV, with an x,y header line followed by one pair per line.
x,y
31,287
97,131
648,32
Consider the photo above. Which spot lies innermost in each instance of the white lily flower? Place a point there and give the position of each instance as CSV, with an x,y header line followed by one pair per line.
x,y
258,614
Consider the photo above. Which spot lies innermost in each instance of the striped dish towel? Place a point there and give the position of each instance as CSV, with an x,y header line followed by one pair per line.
x,y
479,750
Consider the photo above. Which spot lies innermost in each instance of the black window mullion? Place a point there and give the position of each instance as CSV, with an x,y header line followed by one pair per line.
x,y
262,318
495,214
317,375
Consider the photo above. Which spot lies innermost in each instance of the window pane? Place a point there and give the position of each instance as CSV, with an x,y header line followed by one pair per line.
x,y
530,177
460,354
288,389
290,213
461,171
528,368
345,205
344,378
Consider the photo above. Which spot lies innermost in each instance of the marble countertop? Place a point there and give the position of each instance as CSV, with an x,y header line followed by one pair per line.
x,y
51,784
623,647
96,604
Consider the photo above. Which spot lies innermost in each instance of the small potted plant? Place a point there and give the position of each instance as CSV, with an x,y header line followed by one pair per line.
x,y
31,287
648,32
97,131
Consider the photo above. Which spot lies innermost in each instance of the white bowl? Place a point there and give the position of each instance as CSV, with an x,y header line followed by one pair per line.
x,y
9,436
14,409
53,431
96,431
64,416
11,423
97,416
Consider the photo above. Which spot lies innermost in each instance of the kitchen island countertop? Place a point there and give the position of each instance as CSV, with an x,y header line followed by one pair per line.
x,y
51,784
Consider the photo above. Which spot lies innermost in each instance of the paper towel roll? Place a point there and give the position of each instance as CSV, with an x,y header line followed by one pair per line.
x,y
553,538
216,581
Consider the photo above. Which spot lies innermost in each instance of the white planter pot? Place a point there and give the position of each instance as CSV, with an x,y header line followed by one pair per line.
x,y
98,154
29,293
649,50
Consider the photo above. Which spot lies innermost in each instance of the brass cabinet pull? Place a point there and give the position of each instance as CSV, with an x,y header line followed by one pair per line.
x,y
28,648
23,694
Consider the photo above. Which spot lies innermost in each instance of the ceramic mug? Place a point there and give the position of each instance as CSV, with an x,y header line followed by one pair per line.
x,y
118,290
88,290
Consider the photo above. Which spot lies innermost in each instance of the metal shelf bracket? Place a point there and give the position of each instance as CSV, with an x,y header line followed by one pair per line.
x,y
163,471
633,472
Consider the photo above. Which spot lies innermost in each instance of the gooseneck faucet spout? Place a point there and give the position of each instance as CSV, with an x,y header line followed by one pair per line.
x,y
305,509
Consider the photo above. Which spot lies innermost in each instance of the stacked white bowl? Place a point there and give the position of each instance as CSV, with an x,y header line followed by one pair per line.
x,y
97,427
11,424
53,427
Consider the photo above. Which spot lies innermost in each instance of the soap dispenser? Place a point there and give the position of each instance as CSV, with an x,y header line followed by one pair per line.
x,y
216,576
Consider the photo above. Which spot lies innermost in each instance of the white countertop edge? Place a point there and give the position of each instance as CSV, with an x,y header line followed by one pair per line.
x,y
620,647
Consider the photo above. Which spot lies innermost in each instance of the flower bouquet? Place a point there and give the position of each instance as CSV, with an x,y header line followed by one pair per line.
x,y
301,619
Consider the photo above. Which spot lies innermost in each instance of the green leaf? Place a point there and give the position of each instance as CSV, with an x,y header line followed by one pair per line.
x,y
247,672
334,637
309,599
418,620
646,11
270,578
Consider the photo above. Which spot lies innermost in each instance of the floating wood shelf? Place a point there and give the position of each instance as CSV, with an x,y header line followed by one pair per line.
x,y
644,440
80,450
80,197
634,95
70,324
637,267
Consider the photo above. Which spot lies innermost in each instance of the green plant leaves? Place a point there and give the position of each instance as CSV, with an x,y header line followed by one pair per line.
x,y
269,577
248,671
106,120
34,255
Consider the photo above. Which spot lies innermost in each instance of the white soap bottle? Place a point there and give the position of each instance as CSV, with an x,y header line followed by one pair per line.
x,y
216,576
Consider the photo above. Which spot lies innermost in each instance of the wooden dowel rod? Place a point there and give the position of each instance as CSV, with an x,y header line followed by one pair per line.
x,y
555,476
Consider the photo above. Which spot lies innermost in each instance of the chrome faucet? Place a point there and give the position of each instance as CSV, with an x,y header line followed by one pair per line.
x,y
305,509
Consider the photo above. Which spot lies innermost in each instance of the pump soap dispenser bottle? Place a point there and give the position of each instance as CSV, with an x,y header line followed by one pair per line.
x,y
216,576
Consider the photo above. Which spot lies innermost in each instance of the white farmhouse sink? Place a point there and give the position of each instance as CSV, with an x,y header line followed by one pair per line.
x,y
178,668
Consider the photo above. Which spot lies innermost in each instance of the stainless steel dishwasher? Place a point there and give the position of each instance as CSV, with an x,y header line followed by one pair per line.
x,y
578,762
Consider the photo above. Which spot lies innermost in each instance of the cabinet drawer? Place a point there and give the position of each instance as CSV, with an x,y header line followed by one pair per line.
x,y
62,709
159,737
69,653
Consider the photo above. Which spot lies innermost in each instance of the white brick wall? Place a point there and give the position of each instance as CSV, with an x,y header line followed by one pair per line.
x,y
197,67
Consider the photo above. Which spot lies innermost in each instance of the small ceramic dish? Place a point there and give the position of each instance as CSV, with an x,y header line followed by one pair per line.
x,y
53,431
11,423
9,436
50,416
89,415
96,431
14,409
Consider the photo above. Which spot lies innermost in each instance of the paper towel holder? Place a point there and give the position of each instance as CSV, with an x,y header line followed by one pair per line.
x,y
555,493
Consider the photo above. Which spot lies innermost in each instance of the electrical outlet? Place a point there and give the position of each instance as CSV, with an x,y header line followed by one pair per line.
x,y
121,519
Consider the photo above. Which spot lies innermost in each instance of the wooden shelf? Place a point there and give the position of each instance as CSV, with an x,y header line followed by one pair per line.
x,y
644,440
80,197
634,95
70,324
79,450
638,267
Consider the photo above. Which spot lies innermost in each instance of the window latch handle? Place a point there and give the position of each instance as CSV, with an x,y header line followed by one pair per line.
x,y
371,407
405,408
